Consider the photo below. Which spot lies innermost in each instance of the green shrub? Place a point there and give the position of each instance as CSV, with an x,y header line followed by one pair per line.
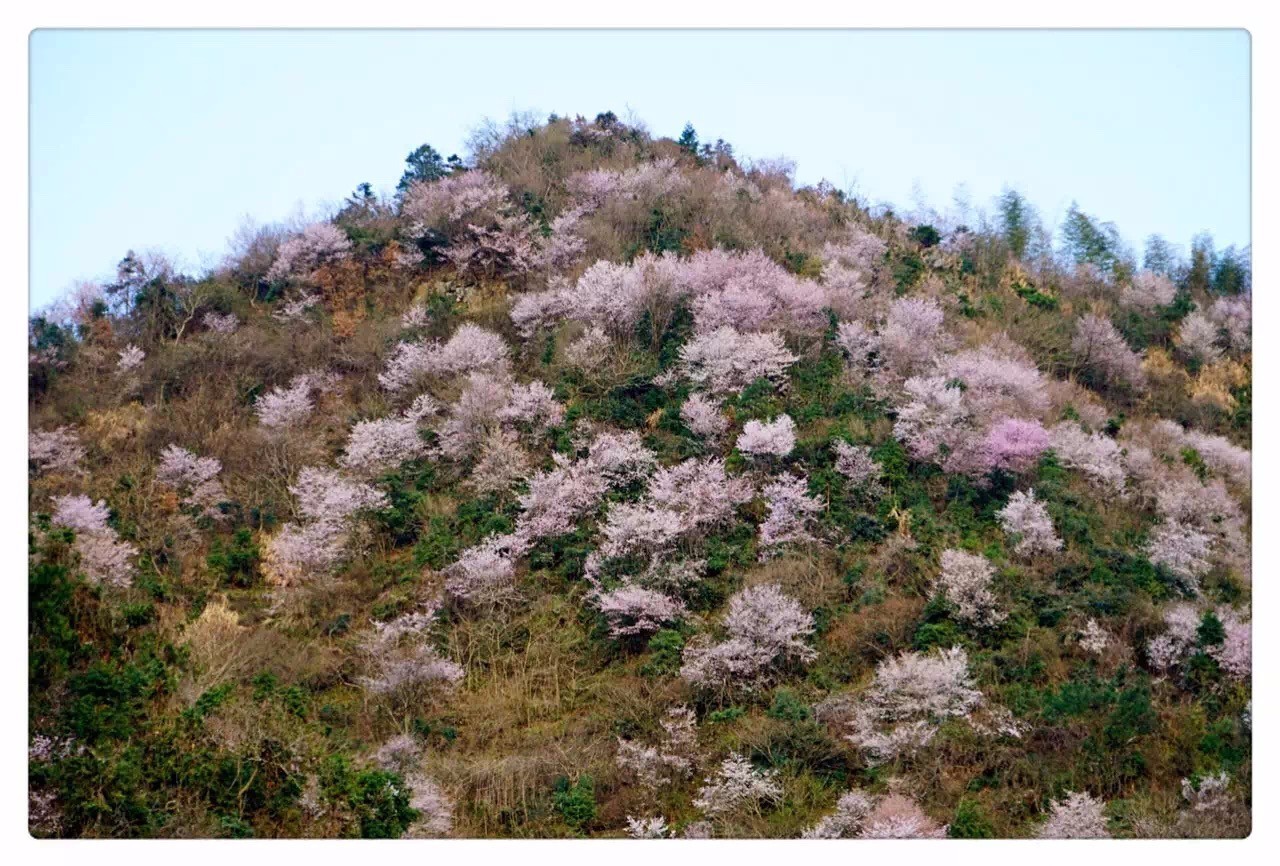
x,y
575,802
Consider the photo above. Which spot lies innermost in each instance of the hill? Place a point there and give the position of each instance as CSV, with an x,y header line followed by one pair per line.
x,y
603,484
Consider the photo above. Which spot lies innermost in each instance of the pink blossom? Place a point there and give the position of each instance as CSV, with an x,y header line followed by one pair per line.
x,y
790,511
381,445
420,668
501,464
219,323
80,514
965,581
775,438
852,810
325,495
287,407
196,478
1148,291
1198,337
1235,654
318,244
856,464
634,529
104,558
912,334
294,310
57,450
1094,454
1098,346
470,349
897,817
765,628
934,417
997,381
131,358
725,361
701,492
1235,316
911,695
737,786
533,404
1015,444
1076,816
634,610
859,343
1027,519
485,574
655,766
1169,649
590,350
703,417
1182,549
473,211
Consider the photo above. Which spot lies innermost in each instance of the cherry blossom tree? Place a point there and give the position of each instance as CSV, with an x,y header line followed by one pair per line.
x,y
221,323
57,450
131,358
470,349
912,694
472,212
484,575
1234,315
671,759
1198,337
1098,347
1015,444
847,821
774,438
1076,816
381,445
861,470
764,628
859,345
700,492
791,509
736,787
284,407
299,257
703,417
1026,519
912,335
104,558
899,817
965,581
195,478
725,361
1097,456
328,506
635,610
1148,292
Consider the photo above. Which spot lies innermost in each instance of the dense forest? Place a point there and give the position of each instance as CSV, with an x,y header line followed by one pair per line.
x,y
601,484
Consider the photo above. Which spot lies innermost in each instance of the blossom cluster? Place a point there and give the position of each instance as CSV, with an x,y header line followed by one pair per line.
x,y
104,558
764,628
194,478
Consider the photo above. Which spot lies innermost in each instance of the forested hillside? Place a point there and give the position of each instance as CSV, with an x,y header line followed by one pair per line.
x,y
603,484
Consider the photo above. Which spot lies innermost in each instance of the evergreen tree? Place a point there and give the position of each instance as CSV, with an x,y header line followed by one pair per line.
x,y
423,164
1017,219
689,139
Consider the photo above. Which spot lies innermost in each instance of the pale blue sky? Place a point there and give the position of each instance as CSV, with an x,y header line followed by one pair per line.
x,y
166,139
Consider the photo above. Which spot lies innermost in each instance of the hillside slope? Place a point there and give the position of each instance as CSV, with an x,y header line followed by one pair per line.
x,y
606,485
